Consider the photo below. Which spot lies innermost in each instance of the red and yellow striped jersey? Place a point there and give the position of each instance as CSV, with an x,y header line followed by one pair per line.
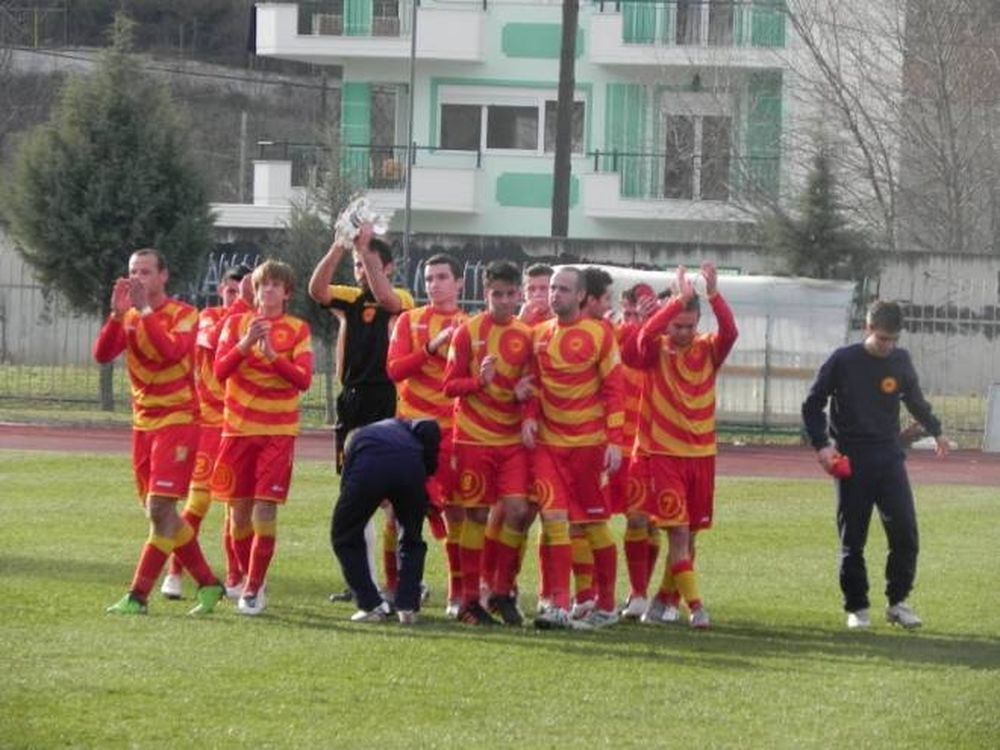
x,y
262,397
159,354
677,416
633,380
210,391
487,414
419,375
579,376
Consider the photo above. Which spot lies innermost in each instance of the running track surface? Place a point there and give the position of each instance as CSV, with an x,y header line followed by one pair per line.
x,y
961,467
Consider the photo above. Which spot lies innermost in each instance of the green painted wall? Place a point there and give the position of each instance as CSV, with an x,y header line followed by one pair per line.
x,y
536,40
526,190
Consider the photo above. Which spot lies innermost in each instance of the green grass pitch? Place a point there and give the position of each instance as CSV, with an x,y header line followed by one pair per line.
x,y
778,669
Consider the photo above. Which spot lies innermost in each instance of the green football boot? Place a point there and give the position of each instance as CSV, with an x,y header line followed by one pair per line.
x,y
208,597
127,605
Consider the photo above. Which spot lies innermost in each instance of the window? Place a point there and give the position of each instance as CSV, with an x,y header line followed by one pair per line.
x,y
521,120
512,128
688,22
715,148
460,126
551,107
697,157
720,23
678,173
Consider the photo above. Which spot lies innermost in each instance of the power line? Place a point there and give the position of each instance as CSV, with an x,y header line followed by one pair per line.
x,y
189,73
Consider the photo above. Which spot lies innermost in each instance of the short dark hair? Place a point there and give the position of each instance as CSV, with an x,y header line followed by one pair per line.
x,y
236,273
596,282
538,269
885,316
502,270
161,260
383,248
440,258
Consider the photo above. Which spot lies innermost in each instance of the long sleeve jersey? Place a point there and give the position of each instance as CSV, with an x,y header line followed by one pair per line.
x,y
262,397
677,414
579,375
159,355
419,376
864,392
487,414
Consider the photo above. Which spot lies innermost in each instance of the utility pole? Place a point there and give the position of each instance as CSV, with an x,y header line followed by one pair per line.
x,y
562,168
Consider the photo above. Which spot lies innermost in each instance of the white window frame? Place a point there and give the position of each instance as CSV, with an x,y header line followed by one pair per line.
x,y
487,96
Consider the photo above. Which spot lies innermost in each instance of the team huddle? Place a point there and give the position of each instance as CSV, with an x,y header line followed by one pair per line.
x,y
541,407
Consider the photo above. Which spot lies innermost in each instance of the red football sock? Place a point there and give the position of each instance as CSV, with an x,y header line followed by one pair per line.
x,y
151,561
509,547
451,548
260,555
637,560
188,551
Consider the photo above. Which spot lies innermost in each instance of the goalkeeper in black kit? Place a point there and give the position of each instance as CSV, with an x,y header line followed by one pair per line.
x,y
864,384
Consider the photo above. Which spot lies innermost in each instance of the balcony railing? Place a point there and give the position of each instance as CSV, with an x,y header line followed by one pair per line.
x,y
659,175
382,18
368,167
702,23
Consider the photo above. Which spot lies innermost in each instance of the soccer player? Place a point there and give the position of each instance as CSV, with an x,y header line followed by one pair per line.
x,y
386,460
572,427
210,404
864,384
641,545
489,355
265,360
418,352
675,447
535,308
366,313
157,334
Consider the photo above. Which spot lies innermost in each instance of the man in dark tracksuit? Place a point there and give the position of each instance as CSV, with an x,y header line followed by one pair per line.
x,y
387,460
864,385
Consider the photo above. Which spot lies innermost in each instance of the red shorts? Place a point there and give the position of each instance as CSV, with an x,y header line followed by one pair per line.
x,y
678,491
571,479
441,485
163,459
624,493
487,473
204,462
254,467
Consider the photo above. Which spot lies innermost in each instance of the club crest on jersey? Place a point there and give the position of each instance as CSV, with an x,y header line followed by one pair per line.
x,y
889,385
368,315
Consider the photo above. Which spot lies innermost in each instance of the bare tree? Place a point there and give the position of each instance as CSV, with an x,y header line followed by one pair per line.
x,y
908,88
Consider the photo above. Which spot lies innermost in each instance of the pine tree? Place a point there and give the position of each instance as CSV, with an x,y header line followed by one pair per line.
x,y
818,241
111,172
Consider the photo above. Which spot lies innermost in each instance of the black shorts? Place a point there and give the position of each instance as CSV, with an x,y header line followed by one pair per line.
x,y
358,406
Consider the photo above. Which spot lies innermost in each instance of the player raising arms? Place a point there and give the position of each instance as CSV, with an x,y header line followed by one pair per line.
x,y
418,352
265,360
676,448
157,334
489,355
572,428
